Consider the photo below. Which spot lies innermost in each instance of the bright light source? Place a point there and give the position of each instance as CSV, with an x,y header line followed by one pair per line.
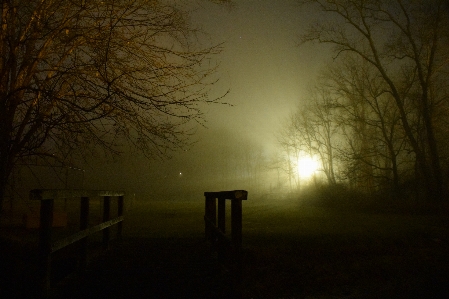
x,y
306,167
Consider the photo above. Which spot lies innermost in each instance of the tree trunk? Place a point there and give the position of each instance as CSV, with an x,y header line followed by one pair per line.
x,y
4,175
5,160
435,187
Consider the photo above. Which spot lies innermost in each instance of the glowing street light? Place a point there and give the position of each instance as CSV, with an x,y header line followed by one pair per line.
x,y
306,167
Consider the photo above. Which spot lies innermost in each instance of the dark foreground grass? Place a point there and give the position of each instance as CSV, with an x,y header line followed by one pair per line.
x,y
306,249
293,248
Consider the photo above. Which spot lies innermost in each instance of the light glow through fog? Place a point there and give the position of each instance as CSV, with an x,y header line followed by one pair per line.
x,y
306,167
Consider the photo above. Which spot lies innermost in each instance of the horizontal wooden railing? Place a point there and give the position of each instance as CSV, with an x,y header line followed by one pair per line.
x,y
47,247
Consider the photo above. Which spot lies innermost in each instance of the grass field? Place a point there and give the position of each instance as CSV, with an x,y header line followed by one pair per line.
x,y
308,248
297,248
320,252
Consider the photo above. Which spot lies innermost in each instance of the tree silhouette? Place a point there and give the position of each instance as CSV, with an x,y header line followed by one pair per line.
x,y
85,74
371,120
405,42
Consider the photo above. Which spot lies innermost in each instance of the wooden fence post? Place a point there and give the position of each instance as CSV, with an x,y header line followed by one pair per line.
x,y
236,237
222,214
120,213
216,234
46,221
47,247
84,222
106,217
236,222
222,229
210,218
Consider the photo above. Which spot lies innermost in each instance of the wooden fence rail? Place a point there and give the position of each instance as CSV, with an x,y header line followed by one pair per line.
x,y
47,247
215,229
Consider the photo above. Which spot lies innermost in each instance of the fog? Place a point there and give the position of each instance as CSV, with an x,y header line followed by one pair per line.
x,y
261,64
266,73
345,162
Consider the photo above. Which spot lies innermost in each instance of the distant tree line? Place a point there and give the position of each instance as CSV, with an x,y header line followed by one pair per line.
x,y
378,116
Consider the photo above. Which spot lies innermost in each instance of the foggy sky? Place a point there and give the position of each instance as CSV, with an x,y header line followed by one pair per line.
x,y
262,65
265,70
267,74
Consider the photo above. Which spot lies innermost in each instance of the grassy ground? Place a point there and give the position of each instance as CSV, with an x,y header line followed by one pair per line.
x,y
309,250
307,247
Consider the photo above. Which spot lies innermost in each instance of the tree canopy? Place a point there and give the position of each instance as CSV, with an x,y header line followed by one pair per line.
x,y
392,83
78,74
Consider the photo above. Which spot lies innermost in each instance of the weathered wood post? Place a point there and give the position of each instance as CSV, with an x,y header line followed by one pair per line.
x,y
84,223
47,247
46,221
236,227
222,214
106,217
236,222
119,214
236,237
221,242
210,217
216,234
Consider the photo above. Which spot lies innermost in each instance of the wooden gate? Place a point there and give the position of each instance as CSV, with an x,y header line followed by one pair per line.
x,y
47,246
229,250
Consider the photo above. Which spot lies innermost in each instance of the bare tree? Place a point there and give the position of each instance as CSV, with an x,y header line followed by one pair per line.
x,y
371,121
403,41
311,130
77,74
321,130
291,141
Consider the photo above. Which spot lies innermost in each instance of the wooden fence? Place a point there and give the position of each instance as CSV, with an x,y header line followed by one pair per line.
x,y
229,250
47,246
